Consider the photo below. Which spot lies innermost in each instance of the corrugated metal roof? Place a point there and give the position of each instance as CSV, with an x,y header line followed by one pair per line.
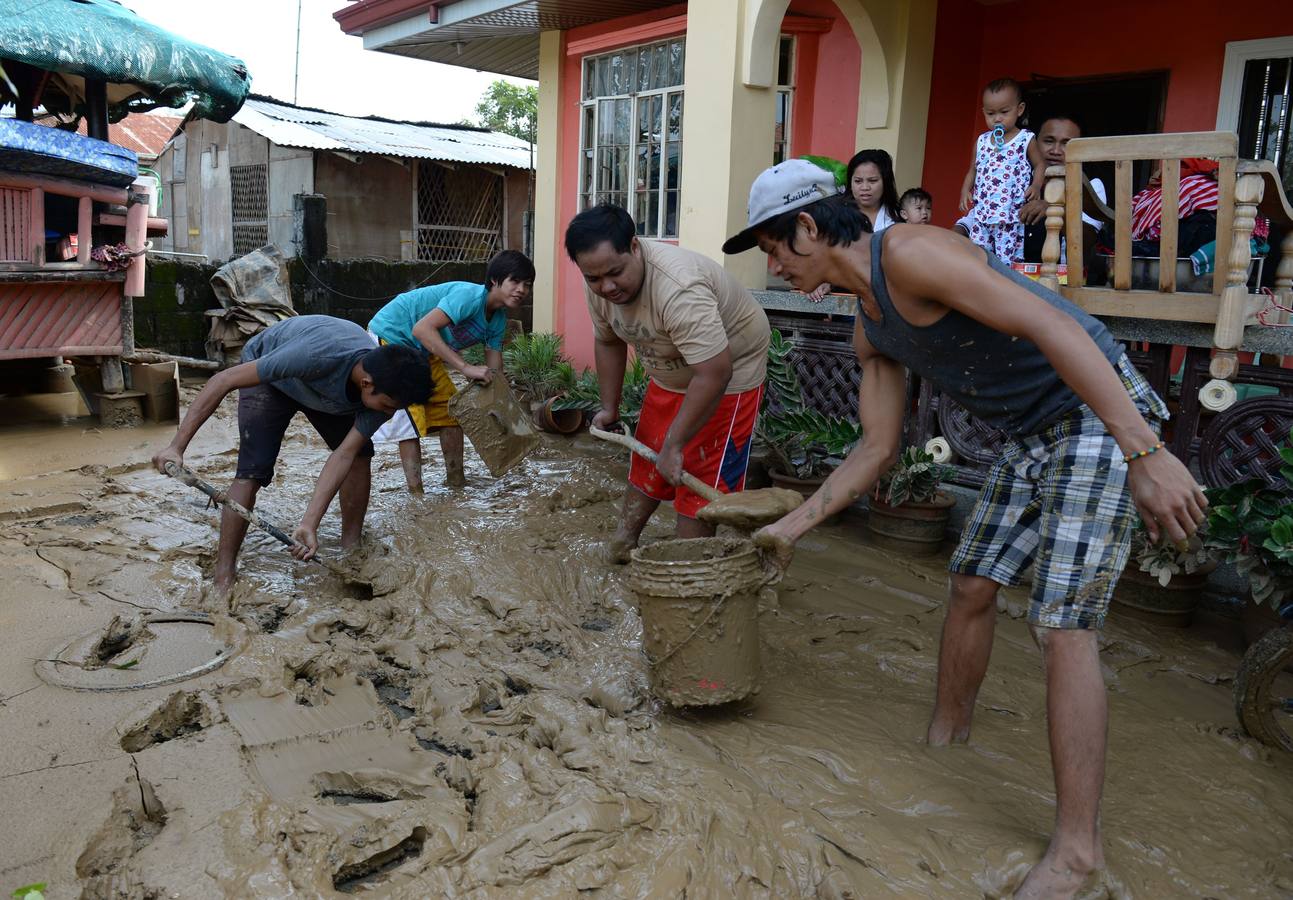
x,y
296,126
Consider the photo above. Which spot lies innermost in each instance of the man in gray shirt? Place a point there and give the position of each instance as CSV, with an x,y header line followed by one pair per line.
x,y
328,369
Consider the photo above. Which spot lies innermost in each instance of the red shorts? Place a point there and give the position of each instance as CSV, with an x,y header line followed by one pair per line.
x,y
718,455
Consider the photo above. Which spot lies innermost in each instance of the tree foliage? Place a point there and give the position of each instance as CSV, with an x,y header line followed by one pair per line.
x,y
510,108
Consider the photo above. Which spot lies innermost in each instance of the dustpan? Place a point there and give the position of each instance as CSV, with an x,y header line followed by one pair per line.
x,y
495,422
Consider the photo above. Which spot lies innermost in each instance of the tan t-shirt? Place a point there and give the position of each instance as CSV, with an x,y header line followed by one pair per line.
x,y
688,310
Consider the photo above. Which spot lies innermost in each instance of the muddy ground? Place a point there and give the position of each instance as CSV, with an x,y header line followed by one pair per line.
x,y
482,726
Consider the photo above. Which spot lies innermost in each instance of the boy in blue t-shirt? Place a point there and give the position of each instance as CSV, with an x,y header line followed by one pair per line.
x,y
442,320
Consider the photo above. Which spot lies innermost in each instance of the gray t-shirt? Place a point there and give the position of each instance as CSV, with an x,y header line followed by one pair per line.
x,y
310,359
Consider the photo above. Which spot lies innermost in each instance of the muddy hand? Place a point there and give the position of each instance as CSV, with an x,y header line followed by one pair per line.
x,y
669,463
478,373
306,542
1169,500
777,549
169,455
608,420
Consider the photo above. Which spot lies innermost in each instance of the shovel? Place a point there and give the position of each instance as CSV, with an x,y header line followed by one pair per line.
x,y
744,510
185,475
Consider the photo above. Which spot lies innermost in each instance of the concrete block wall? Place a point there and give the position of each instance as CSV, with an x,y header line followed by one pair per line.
x,y
171,316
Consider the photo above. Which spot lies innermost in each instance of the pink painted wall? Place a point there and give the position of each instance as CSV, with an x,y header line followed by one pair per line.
x,y
827,77
823,120
974,44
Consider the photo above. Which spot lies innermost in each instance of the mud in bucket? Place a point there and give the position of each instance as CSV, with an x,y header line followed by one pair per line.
x,y
699,602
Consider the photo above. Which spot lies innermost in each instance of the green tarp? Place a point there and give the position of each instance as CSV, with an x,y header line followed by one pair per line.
x,y
143,65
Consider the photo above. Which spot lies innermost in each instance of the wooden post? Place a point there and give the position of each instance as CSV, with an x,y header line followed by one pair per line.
x,y
84,238
37,238
1122,225
1284,276
1073,220
1232,314
1171,220
136,236
1053,194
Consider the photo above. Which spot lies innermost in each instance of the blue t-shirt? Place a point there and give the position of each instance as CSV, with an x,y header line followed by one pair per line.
x,y
462,301
310,358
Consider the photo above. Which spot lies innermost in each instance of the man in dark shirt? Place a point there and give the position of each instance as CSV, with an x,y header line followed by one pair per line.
x,y
1083,457
330,370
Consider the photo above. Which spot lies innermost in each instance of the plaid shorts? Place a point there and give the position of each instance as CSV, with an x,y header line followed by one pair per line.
x,y
1059,499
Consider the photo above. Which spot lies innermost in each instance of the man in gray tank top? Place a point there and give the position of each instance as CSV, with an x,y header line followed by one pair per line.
x,y
1083,458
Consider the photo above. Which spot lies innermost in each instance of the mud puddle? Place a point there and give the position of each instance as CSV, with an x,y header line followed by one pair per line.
x,y
483,725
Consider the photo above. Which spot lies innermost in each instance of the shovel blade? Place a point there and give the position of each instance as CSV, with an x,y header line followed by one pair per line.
x,y
748,510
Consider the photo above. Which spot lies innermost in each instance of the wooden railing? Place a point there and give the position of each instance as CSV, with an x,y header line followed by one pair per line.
x,y
22,223
1244,187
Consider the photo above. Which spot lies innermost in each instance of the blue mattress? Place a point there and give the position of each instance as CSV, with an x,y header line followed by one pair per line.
x,y
38,150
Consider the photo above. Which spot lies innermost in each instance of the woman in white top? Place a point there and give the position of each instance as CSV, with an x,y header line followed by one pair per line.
x,y
870,181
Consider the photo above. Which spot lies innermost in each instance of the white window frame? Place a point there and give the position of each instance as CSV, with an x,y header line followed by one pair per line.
x,y
788,91
1238,55
596,194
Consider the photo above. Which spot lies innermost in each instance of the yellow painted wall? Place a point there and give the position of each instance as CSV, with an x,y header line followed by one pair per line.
x,y
547,170
727,136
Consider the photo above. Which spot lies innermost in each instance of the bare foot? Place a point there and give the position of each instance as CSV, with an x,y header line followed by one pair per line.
x,y
618,550
416,489
1059,877
454,476
941,734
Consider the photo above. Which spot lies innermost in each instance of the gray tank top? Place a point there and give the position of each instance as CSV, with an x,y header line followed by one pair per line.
x,y
1004,380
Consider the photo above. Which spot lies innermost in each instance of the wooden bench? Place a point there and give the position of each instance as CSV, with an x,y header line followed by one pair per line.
x,y
1245,187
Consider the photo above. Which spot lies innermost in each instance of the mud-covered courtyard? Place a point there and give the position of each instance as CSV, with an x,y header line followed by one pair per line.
x,y
481,725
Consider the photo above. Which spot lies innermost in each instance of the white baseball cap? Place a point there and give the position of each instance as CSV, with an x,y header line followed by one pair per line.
x,y
785,187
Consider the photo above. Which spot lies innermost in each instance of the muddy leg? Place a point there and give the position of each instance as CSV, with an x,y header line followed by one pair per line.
x,y
963,656
451,450
693,528
411,461
233,528
354,500
1077,717
633,518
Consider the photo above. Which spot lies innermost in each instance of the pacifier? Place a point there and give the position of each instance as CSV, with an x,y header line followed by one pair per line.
x,y
999,135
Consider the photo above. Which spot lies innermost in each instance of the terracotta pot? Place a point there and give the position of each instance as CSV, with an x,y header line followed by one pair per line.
x,y
916,529
558,421
1140,596
805,486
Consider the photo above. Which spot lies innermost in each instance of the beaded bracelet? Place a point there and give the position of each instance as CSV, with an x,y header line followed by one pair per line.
x,y
1134,456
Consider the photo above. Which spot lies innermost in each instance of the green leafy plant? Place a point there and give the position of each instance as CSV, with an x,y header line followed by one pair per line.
x,y
582,392
1164,560
914,478
797,440
536,365
1251,525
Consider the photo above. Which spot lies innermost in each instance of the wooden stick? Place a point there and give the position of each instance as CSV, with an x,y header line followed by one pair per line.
x,y
186,475
642,450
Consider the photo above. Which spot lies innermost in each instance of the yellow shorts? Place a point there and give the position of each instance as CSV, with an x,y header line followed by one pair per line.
x,y
419,419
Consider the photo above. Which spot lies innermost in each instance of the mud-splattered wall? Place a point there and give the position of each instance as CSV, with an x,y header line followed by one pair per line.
x,y
171,316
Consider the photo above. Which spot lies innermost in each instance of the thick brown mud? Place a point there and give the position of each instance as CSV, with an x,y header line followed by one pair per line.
x,y
482,725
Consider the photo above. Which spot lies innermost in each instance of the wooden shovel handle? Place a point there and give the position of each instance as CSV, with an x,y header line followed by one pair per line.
x,y
186,475
691,481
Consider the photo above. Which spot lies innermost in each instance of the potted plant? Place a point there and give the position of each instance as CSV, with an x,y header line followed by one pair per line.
x,y
908,511
798,444
583,394
540,373
1162,582
801,446
1251,524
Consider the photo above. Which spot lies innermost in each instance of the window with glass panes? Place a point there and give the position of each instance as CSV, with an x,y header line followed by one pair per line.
x,y
631,134
785,95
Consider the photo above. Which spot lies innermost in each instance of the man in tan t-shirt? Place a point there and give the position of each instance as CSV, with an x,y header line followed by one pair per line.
x,y
704,343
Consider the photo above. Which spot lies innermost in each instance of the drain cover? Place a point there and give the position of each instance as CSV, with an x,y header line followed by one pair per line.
x,y
170,647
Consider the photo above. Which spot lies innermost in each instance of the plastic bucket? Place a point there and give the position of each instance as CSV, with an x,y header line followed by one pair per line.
x,y
699,602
